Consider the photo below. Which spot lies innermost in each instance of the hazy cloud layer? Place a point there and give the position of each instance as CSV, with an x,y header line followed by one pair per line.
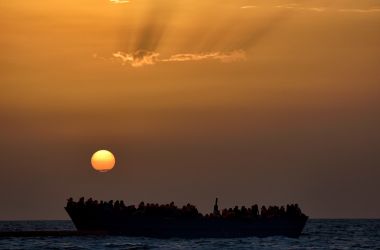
x,y
295,6
221,39
143,44
248,7
298,7
143,58
119,1
360,10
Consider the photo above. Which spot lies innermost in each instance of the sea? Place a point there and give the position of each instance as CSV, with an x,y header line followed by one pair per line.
x,y
318,234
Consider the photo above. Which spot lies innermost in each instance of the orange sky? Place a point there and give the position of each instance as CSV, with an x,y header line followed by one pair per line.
x,y
263,102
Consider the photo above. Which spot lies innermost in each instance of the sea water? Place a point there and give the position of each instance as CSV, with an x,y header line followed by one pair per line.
x,y
318,234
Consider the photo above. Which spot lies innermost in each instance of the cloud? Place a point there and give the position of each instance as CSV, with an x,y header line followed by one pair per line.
x,y
288,6
143,57
219,34
225,57
360,10
318,9
119,1
295,6
248,7
137,59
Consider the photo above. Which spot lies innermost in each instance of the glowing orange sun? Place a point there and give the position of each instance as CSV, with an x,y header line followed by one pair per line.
x,y
103,161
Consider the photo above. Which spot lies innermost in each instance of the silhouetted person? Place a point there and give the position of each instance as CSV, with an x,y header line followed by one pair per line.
x,y
216,208
141,206
255,211
70,202
243,212
263,212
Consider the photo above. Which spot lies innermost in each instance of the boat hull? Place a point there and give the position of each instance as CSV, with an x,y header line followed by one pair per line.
x,y
199,227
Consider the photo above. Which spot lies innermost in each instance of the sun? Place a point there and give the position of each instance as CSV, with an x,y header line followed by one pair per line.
x,y
103,161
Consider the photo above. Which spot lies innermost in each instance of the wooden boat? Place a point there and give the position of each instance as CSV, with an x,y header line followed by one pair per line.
x,y
116,222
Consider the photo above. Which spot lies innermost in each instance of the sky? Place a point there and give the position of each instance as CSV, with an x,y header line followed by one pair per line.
x,y
267,102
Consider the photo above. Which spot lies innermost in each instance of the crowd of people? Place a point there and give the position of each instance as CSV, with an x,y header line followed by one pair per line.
x,y
292,210
187,211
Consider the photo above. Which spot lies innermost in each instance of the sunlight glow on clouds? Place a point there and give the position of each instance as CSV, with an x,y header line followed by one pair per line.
x,y
248,7
297,7
233,56
119,1
137,59
142,44
360,10
143,58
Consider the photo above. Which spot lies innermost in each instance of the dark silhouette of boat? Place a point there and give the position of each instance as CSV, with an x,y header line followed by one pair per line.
x,y
167,221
